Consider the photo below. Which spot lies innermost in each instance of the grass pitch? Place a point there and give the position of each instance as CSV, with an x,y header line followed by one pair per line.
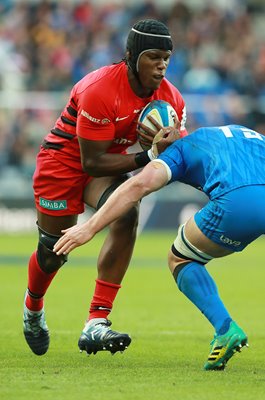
x,y
170,338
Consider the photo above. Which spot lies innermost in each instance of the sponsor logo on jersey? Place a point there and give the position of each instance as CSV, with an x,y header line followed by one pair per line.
x,y
123,141
53,204
229,241
103,121
121,118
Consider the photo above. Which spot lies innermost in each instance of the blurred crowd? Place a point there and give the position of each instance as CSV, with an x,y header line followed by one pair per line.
x,y
218,61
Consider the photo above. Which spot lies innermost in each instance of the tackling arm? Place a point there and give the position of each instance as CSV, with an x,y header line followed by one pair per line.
x,y
151,178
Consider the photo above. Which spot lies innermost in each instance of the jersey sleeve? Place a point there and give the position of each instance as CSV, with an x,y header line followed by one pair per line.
x,y
95,116
173,159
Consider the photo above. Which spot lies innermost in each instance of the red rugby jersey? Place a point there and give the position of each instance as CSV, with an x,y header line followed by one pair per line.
x,y
103,106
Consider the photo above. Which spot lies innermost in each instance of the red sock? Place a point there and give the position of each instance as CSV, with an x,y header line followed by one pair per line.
x,y
38,283
104,296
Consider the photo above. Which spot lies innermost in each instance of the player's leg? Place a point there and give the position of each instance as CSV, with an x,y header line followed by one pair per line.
x,y
187,258
42,268
58,192
43,264
192,277
219,229
113,261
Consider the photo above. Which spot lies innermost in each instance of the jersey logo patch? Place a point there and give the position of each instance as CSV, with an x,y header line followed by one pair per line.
x,y
93,119
123,141
121,118
229,241
53,204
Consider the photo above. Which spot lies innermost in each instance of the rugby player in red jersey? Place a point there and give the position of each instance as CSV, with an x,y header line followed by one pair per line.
x,y
82,161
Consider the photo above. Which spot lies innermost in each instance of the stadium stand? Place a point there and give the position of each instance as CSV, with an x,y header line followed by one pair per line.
x,y
46,46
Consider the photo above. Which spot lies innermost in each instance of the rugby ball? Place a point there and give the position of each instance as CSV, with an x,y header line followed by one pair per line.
x,y
162,112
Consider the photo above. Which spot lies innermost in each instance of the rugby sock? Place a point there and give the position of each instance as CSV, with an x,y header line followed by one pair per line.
x,y
104,296
195,282
38,283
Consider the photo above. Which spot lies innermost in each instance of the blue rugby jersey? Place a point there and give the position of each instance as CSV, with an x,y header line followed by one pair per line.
x,y
217,160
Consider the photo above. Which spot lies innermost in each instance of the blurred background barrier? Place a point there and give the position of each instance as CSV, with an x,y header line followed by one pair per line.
x,y
218,64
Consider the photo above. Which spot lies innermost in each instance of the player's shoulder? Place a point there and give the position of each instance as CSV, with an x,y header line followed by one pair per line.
x,y
104,79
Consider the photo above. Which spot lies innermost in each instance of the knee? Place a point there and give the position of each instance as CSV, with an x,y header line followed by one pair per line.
x,y
176,257
173,260
176,263
48,261
183,252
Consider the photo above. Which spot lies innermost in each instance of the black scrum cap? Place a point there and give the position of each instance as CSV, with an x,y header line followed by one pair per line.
x,y
146,35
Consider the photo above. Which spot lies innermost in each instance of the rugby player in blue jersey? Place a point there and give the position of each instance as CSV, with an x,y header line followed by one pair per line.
x,y
228,164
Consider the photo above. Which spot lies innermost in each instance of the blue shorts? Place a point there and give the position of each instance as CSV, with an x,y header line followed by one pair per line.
x,y
235,219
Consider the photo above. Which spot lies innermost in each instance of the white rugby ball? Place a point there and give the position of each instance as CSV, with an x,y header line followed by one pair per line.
x,y
162,112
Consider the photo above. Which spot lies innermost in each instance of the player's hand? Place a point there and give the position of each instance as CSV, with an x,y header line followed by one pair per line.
x,y
147,134
160,137
164,138
72,238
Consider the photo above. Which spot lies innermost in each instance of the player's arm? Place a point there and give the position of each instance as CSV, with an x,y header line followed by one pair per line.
x,y
97,162
95,137
151,178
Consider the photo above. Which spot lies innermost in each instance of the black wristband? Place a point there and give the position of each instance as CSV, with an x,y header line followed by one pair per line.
x,y
142,158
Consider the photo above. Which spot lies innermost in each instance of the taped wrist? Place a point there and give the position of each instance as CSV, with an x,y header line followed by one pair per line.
x,y
151,154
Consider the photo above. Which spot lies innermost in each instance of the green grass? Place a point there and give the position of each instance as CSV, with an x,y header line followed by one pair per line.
x,y
170,337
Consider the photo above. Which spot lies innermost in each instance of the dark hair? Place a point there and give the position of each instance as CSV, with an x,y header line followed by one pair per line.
x,y
146,35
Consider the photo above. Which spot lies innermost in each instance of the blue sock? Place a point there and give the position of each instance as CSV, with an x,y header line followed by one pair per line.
x,y
195,282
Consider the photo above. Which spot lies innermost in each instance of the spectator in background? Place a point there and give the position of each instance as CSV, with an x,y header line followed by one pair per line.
x,y
208,33
49,46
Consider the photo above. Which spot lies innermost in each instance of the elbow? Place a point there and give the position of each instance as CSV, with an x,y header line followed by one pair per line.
x,y
90,168
140,189
150,179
